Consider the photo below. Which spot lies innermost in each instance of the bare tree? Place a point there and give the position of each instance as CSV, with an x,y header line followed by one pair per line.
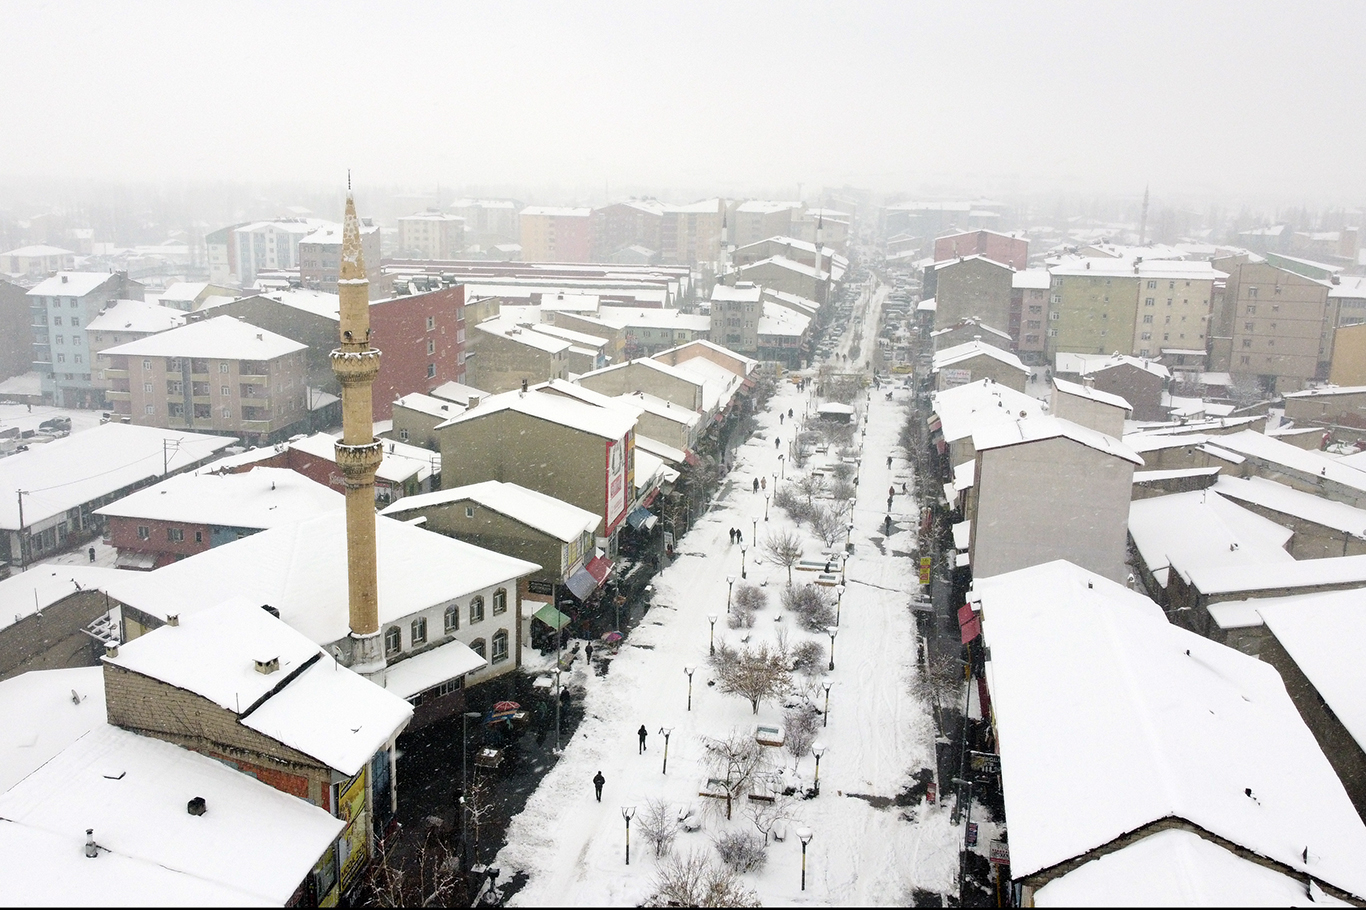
x,y
694,880
802,726
479,807
757,674
842,491
811,605
810,487
408,874
766,814
784,548
808,658
938,684
656,821
733,762
750,597
829,527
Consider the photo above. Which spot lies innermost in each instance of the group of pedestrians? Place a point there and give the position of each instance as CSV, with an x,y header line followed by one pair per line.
x,y
599,780
736,536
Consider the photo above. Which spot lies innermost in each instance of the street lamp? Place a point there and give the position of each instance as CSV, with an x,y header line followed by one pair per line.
x,y
690,670
557,709
627,812
826,684
818,749
833,631
730,586
765,505
782,465
743,548
839,601
804,835
666,731
754,528
711,618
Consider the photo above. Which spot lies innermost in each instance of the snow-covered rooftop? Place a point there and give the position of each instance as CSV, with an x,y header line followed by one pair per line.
x,y
1257,445
1128,267
556,211
537,510
1328,391
219,338
39,587
45,711
1146,721
1289,501
1082,391
662,408
300,569
310,703
1199,529
254,843
790,265
429,405
508,329
965,408
136,316
605,422
960,352
1031,279
70,284
724,293
1303,573
457,392
399,461
69,472
1089,364
260,498
1034,429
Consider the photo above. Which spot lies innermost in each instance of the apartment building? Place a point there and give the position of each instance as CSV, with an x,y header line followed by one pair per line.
x,y
319,256
219,376
488,222
735,314
626,224
972,287
757,220
122,322
429,235
555,234
61,309
262,246
1028,324
1278,325
691,233
1004,248
36,261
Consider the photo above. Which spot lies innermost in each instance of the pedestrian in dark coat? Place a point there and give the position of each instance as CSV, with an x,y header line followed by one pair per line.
x,y
776,440
598,781
642,733
789,412
588,653
756,485
739,536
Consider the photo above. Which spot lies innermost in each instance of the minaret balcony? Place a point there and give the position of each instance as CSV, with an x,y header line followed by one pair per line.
x,y
353,367
359,459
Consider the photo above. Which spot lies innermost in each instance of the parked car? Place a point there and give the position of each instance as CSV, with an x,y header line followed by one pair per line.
x,y
56,425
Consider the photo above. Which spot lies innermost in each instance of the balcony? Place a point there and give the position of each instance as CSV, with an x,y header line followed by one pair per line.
x,y
254,378
115,374
115,395
255,426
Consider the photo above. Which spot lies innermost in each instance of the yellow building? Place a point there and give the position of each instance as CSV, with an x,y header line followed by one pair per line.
x,y
1349,356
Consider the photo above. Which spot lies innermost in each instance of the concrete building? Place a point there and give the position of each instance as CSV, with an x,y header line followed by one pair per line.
x,y
267,246
1348,366
404,470
825,258
1328,406
1029,319
1045,489
188,296
1138,381
488,222
32,262
320,256
757,220
1322,527
972,287
782,274
735,315
556,234
124,321
1279,327
784,336
691,234
1007,249
430,235
220,375
966,330
1101,411
572,451
623,225
504,355
61,308
647,332
415,416
976,360
16,331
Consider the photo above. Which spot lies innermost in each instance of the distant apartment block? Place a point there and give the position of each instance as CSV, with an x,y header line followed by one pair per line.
x,y
623,225
430,235
757,220
1277,325
264,246
1003,248
220,376
36,261
552,234
488,222
691,233
61,309
320,256
735,314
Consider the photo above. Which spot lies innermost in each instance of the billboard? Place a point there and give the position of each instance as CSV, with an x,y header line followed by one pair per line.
x,y
618,480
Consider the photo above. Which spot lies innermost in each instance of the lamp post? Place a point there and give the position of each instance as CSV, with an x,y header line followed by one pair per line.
x,y
711,618
754,528
818,749
775,482
730,586
665,731
839,601
557,709
690,670
782,465
627,812
765,505
743,548
825,722
832,631
804,835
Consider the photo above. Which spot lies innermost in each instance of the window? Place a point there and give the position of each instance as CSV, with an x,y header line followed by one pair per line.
x,y
1144,336
1251,310
1148,317
1252,292
477,646
477,610
223,367
469,511
144,532
61,339
150,410
1148,301
226,413
1247,342
175,535
403,435
1250,326
431,323
198,536
1245,360
419,630
1152,284
1054,315
223,390
500,601
431,347
1277,289
146,364
452,619
1171,284
449,686
75,339
56,320
500,646
147,387
76,320
431,371
71,302
393,641
1169,301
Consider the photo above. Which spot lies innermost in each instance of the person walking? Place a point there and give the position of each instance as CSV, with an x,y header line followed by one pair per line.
x,y
776,441
889,461
598,781
763,483
739,536
588,653
756,485
642,733
780,418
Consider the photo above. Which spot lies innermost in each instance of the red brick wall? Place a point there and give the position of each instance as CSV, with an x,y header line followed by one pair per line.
x,y
399,330
997,247
293,784
123,534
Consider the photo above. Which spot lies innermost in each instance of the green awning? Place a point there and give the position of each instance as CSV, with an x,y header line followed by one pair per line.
x,y
551,617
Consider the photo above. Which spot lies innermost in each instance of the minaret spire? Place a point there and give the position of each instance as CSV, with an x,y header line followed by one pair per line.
x,y
356,363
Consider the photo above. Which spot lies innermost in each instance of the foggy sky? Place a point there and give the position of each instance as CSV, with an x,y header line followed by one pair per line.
x,y
1207,98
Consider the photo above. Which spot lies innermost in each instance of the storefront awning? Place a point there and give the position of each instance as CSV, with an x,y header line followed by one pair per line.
x,y
690,458
641,518
585,581
649,500
598,567
141,562
551,617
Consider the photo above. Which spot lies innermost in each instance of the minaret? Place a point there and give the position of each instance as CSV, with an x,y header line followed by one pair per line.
x,y
1143,221
358,453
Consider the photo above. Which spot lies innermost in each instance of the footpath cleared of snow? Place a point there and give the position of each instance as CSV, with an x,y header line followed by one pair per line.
x,y
573,848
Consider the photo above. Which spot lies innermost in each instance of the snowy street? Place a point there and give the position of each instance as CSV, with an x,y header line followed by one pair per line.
x,y
874,840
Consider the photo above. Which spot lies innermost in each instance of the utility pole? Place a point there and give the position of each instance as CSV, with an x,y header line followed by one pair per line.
x,y
23,551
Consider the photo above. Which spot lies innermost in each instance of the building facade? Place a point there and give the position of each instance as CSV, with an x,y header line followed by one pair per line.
x,y
556,234
61,309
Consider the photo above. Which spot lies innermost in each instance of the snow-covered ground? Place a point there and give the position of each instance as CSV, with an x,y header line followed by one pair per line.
x,y
878,734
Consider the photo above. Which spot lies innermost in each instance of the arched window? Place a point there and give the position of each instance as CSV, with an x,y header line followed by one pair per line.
x,y
419,630
477,610
500,646
452,618
393,640
500,601
477,646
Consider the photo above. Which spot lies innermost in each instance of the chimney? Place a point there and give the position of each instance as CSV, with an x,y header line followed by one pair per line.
x,y
172,619
92,849
523,385
64,280
111,649
267,665
472,402
197,806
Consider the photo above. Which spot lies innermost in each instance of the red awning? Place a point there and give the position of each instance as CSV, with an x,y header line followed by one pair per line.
x,y
747,384
654,494
690,458
598,567
969,622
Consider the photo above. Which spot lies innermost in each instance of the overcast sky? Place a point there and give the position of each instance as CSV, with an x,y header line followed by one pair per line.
x,y
1241,98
